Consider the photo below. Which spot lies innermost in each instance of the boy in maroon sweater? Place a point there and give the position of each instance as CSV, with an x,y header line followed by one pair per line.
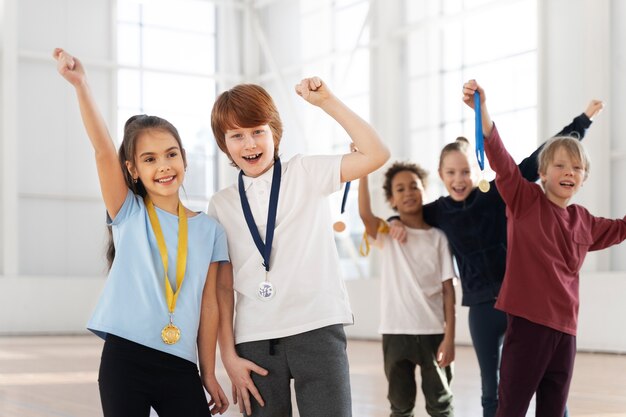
x,y
547,243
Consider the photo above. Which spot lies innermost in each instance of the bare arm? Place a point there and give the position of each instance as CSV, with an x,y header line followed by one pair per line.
x,y
371,154
445,354
207,340
238,369
370,221
112,183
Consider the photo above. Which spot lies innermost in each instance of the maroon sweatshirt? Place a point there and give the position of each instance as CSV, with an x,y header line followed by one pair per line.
x,y
546,246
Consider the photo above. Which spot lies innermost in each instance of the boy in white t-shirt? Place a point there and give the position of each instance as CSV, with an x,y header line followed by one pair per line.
x,y
417,296
291,303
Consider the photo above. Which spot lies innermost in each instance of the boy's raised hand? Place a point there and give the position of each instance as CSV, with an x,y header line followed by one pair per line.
x,y
313,90
69,67
594,108
469,88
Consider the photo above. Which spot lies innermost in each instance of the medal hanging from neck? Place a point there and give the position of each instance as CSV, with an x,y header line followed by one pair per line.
x,y
266,290
339,226
170,333
483,184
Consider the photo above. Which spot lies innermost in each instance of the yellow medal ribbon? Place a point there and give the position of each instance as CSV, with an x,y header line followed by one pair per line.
x,y
364,247
170,333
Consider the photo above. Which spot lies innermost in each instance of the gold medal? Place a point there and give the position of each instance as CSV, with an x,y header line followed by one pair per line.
x,y
339,226
170,334
483,185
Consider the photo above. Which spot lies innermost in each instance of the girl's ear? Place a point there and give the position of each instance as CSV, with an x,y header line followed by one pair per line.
x,y
132,170
184,155
440,174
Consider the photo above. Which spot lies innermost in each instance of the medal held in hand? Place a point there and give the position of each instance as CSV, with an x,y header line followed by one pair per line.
x,y
170,333
483,184
266,289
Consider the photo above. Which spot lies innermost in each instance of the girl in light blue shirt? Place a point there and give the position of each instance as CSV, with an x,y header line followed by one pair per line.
x,y
158,311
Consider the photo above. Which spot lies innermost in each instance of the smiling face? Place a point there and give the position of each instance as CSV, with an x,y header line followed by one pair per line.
x,y
159,164
251,149
562,177
456,173
406,193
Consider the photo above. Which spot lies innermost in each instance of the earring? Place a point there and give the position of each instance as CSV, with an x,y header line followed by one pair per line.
x,y
135,180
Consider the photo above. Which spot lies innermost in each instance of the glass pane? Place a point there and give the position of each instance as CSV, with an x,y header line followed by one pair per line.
x,y
452,45
168,93
423,51
183,51
129,88
424,102
515,26
452,85
420,10
351,73
128,44
189,15
128,11
347,26
316,35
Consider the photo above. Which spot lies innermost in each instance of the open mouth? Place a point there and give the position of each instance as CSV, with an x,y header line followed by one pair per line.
x,y
165,180
459,190
253,157
567,184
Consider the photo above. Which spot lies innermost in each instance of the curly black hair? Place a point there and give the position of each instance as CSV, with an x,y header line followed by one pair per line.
x,y
397,167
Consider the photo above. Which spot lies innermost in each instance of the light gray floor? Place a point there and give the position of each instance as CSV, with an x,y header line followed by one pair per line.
x,y
56,376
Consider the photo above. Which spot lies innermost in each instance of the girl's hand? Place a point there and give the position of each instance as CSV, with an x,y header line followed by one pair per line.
x,y
594,108
469,88
239,370
397,230
445,353
314,91
219,401
69,67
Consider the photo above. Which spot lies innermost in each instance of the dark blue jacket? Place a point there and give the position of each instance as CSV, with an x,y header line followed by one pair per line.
x,y
476,228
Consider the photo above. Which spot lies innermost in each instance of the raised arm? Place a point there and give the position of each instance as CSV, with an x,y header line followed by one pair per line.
x,y
578,127
371,154
511,185
112,184
207,340
370,221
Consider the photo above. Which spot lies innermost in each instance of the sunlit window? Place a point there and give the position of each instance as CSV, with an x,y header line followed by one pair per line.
x,y
166,58
335,42
451,41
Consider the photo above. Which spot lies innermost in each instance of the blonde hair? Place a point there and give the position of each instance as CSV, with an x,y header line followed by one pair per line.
x,y
571,145
461,144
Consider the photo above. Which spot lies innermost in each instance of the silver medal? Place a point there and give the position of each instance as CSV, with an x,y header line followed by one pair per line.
x,y
266,291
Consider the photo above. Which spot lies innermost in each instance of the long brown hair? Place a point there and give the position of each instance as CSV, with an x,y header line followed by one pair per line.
x,y
133,128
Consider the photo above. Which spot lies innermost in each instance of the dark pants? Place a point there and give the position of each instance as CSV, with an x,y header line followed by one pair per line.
x,y
535,359
134,378
402,353
487,327
318,364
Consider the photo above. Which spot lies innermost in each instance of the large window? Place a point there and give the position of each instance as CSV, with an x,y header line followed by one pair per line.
x,y
451,41
166,58
335,42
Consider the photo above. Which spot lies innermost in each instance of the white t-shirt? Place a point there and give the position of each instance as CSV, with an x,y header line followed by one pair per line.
x,y
411,282
304,264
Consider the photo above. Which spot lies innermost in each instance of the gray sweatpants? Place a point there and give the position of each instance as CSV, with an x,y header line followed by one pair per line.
x,y
317,362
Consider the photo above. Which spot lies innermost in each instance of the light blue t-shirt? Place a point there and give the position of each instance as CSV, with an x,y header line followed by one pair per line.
x,y
132,304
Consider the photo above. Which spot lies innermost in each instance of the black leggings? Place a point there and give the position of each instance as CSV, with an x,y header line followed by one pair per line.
x,y
134,378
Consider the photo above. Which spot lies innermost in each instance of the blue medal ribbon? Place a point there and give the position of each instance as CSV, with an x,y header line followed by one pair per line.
x,y
480,142
345,197
265,249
